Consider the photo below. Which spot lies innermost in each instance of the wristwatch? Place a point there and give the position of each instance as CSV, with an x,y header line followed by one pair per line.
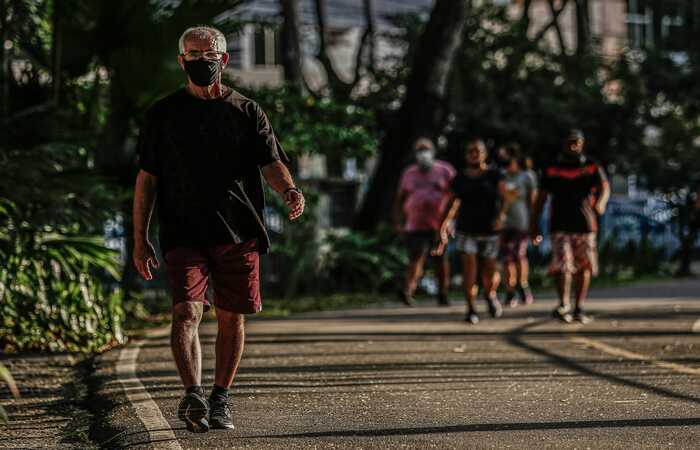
x,y
295,189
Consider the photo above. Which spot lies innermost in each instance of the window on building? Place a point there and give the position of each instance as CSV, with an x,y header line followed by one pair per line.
x,y
267,47
653,23
235,52
639,24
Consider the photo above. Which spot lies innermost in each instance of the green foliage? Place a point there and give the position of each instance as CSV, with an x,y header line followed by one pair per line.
x,y
53,282
356,262
631,259
325,126
51,294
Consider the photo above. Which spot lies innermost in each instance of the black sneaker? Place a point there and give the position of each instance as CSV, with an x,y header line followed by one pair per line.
x,y
495,308
472,317
443,300
563,313
580,316
526,296
193,410
511,300
220,416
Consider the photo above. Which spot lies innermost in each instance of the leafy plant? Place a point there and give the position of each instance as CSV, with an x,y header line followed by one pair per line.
x,y
359,262
51,288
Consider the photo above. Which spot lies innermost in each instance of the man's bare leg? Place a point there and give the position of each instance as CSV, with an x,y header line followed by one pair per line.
x,y
229,346
469,275
187,352
184,342
564,288
583,281
490,278
511,281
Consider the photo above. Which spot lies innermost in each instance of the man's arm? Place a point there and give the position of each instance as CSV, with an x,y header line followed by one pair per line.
x,y
144,202
604,189
450,213
280,180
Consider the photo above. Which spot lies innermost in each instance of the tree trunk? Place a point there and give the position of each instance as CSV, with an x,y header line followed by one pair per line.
x,y
4,63
583,27
422,111
686,256
657,14
56,52
291,49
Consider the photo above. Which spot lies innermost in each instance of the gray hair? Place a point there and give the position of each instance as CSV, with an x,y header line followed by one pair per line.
x,y
203,32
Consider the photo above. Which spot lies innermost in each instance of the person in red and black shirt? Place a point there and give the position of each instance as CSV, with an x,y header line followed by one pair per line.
x,y
579,191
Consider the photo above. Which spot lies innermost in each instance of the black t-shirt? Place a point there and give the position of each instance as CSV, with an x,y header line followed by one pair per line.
x,y
480,201
572,183
207,156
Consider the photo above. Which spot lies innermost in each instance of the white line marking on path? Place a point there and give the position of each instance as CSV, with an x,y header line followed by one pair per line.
x,y
616,351
696,327
159,431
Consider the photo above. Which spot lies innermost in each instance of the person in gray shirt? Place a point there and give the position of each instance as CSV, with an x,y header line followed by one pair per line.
x,y
521,191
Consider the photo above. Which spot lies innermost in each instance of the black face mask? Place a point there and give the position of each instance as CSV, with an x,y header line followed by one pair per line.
x,y
202,72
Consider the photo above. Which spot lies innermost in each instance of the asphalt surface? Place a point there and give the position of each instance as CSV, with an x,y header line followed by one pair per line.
x,y
422,378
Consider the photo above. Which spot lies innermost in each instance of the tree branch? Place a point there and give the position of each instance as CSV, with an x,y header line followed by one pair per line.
x,y
367,39
554,22
335,83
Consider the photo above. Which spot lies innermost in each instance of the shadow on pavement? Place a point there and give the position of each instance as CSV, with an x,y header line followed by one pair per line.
x,y
495,427
516,339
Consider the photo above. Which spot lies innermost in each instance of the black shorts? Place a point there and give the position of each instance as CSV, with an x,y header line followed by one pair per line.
x,y
419,243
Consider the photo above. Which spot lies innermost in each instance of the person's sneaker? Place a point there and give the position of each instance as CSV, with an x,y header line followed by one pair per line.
x,y
472,317
443,300
526,296
563,313
220,416
193,410
511,300
580,316
495,308
405,298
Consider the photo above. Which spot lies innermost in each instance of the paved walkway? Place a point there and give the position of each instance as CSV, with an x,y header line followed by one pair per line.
x,y
422,378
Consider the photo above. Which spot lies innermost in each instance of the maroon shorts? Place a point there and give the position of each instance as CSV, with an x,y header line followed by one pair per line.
x,y
234,271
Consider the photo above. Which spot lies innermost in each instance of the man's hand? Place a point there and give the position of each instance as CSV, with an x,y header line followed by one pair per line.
x,y
443,237
295,202
600,208
536,237
144,259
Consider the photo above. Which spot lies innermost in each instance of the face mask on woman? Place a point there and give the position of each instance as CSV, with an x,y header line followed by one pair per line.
x,y
425,158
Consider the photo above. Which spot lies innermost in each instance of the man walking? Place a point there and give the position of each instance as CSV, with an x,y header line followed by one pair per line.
x,y
201,151
580,191
479,205
420,206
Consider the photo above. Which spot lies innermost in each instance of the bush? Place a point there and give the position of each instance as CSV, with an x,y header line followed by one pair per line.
x,y
51,294
357,262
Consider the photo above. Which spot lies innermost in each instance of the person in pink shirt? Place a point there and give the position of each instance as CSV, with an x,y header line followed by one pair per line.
x,y
421,202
